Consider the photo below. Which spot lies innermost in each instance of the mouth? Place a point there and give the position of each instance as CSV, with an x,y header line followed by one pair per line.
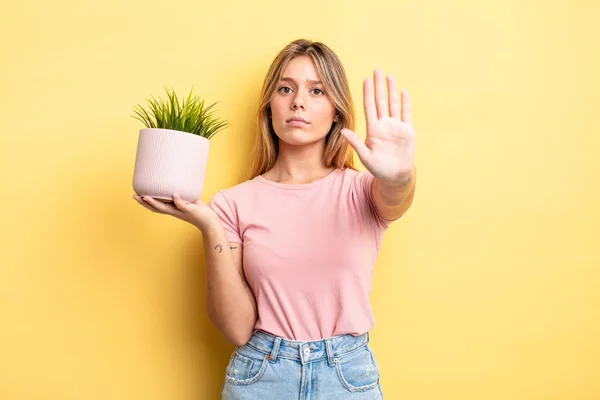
x,y
297,122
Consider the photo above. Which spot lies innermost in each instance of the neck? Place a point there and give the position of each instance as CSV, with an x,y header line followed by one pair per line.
x,y
299,164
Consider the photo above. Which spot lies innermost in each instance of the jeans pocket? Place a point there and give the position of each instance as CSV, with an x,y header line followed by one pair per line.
x,y
246,366
358,370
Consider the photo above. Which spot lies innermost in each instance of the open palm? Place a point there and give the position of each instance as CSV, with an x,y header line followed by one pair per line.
x,y
388,151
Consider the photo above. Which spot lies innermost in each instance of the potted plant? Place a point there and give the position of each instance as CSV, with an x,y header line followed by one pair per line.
x,y
172,150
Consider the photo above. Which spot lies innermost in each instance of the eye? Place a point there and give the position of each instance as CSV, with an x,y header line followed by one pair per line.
x,y
284,90
321,91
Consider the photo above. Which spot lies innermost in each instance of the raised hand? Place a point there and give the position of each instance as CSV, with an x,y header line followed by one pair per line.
x,y
388,151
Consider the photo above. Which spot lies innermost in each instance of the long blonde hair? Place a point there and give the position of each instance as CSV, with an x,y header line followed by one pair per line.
x,y
338,153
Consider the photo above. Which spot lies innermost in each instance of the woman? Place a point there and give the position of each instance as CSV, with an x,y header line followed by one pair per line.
x,y
290,252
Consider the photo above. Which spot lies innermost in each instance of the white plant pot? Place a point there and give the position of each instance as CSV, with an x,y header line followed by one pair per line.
x,y
170,161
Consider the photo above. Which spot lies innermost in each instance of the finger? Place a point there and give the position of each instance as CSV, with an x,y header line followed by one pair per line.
x,y
380,100
369,102
393,98
180,203
406,117
145,204
162,207
357,143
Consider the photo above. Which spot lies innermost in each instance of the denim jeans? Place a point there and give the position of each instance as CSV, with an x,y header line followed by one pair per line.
x,y
273,368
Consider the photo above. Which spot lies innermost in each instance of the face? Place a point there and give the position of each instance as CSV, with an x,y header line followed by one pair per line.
x,y
300,95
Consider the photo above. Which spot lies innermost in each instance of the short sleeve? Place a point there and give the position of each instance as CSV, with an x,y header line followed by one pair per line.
x,y
227,216
362,188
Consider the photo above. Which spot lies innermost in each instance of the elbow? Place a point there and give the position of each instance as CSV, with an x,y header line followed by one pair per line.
x,y
238,341
233,332
236,328
239,337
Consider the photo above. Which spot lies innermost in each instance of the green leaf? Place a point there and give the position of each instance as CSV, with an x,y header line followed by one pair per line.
x,y
191,115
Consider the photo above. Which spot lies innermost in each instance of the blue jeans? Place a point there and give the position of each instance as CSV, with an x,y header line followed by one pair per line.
x,y
273,368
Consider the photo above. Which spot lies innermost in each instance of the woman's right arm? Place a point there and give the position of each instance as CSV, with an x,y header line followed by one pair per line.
x,y
230,303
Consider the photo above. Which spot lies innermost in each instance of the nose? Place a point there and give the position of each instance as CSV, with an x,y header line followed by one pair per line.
x,y
298,102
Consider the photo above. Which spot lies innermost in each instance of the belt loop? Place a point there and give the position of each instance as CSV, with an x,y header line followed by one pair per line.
x,y
275,350
329,351
368,337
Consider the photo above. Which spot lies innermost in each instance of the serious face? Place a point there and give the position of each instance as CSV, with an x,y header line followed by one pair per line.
x,y
301,112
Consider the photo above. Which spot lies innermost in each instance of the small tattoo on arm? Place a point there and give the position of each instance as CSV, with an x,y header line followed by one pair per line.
x,y
233,248
219,248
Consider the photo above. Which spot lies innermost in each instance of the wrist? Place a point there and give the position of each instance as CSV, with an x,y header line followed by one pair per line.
x,y
401,181
210,225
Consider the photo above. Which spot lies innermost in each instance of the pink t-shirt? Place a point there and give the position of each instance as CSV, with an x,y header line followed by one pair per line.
x,y
309,251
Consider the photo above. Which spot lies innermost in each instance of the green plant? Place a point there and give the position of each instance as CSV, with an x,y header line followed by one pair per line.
x,y
191,116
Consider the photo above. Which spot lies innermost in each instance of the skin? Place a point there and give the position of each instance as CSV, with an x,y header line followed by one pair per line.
x,y
300,94
388,151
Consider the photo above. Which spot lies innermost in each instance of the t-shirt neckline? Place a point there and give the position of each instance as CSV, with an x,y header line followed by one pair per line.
x,y
296,186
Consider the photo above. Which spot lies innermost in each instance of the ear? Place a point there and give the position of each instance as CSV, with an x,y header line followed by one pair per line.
x,y
336,117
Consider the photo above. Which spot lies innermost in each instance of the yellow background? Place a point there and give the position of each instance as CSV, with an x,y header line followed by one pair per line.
x,y
487,289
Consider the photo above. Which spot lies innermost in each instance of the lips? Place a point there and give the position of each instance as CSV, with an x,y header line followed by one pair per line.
x,y
297,120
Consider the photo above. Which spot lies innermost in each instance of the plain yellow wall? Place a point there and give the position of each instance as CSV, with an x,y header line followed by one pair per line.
x,y
487,289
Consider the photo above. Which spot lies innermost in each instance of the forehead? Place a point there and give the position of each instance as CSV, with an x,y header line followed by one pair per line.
x,y
300,69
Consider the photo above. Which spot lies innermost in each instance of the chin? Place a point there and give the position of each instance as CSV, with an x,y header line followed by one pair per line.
x,y
300,138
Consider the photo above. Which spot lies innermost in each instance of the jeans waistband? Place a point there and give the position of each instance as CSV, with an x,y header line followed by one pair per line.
x,y
306,351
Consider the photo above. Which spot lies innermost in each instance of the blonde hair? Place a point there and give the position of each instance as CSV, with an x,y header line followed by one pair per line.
x,y
338,153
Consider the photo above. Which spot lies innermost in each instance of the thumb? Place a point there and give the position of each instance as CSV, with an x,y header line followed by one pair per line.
x,y
357,143
179,203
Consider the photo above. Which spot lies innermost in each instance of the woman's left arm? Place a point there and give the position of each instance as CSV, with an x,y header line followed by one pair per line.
x,y
388,151
392,200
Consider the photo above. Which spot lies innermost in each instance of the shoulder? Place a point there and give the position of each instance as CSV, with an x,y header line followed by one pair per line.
x,y
356,179
236,193
353,174
241,189
349,173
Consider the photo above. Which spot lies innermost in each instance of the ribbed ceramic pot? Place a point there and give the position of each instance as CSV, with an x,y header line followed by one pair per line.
x,y
169,161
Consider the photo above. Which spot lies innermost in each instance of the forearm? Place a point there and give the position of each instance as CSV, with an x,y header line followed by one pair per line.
x,y
393,199
230,303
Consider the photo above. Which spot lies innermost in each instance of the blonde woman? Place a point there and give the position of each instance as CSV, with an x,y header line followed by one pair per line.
x,y
290,252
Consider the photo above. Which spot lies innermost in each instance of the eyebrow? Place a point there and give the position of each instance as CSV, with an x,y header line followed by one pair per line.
x,y
288,79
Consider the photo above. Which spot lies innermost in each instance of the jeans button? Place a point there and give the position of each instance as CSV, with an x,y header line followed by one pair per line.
x,y
306,351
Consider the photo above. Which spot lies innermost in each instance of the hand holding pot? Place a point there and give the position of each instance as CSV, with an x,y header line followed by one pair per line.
x,y
198,213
